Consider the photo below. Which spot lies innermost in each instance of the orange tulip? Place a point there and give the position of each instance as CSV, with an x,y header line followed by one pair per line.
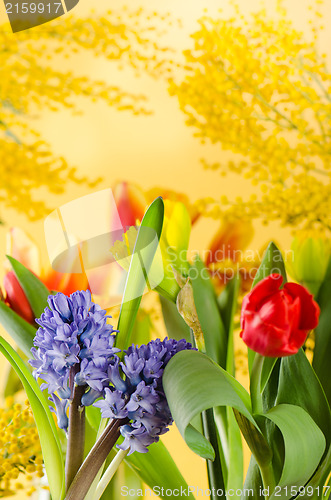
x,y
22,248
225,255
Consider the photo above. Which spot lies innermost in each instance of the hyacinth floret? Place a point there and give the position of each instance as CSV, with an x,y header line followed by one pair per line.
x,y
74,344
139,396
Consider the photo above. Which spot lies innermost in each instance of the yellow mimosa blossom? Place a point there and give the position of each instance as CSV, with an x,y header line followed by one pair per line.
x,y
20,452
34,76
258,88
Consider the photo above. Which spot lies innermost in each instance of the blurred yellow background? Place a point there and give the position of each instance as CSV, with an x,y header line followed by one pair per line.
x,y
156,150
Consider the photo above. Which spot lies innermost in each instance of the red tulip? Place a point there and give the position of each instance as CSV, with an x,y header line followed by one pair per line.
x,y
276,322
15,297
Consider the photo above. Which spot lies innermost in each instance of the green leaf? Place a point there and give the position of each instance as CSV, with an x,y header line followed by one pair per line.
x,y
20,330
304,445
193,383
93,416
322,350
141,261
272,262
48,435
141,332
208,314
174,323
299,385
34,289
157,469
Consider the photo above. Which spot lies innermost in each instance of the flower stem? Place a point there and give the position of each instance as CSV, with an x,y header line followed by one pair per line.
x,y
214,467
111,469
76,436
255,384
268,478
94,460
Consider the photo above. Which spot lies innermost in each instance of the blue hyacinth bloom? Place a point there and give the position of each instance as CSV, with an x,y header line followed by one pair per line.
x,y
140,397
74,344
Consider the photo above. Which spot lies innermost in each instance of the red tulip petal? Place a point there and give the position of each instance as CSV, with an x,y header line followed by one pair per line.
x,y
130,201
265,339
264,289
310,310
16,299
274,310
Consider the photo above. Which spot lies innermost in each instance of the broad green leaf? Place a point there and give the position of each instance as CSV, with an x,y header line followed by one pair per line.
x,y
322,350
93,416
304,445
208,314
20,330
174,323
141,332
48,435
272,262
193,383
157,469
34,289
299,385
141,261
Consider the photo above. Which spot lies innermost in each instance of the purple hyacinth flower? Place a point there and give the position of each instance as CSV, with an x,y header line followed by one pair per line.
x,y
73,344
61,406
144,397
132,367
136,439
113,406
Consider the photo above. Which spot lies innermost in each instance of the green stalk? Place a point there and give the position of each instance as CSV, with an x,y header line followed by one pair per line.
x,y
76,436
214,468
109,473
255,384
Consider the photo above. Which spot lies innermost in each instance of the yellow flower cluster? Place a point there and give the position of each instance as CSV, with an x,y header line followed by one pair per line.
x,y
20,452
262,91
33,77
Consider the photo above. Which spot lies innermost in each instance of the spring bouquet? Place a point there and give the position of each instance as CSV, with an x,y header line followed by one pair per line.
x,y
103,395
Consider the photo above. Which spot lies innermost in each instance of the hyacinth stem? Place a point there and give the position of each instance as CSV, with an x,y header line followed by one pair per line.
x,y
109,473
76,436
94,460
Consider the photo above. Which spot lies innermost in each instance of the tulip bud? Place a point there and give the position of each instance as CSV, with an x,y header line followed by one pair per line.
x,y
310,258
16,299
275,322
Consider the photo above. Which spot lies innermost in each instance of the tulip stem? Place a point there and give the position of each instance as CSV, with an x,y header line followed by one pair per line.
x,y
255,384
268,478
